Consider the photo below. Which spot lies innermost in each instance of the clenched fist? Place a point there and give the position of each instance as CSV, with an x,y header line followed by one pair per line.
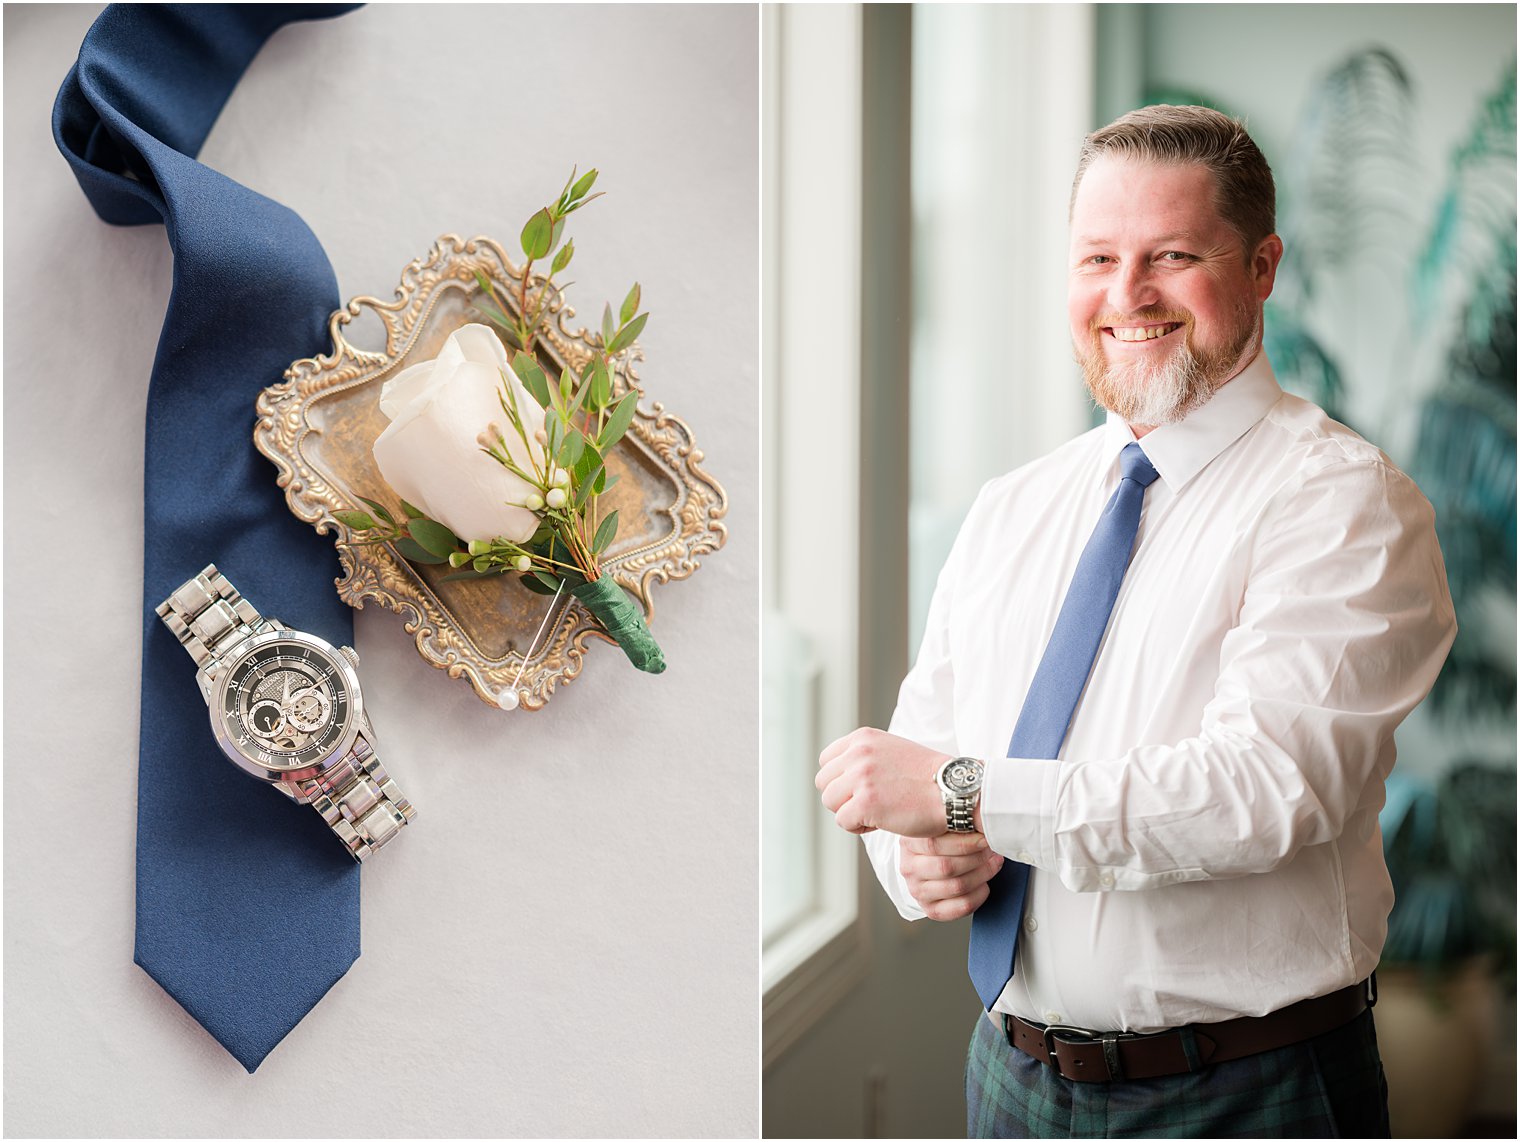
x,y
873,780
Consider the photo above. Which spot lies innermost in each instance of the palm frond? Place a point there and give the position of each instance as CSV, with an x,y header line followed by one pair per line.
x,y
1303,366
1465,464
1450,849
1474,685
1349,169
1471,245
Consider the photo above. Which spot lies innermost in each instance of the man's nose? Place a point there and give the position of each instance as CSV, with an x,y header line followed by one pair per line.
x,y
1132,288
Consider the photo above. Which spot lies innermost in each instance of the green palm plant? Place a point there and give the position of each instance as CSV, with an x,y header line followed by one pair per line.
x,y
1450,848
1464,288
1342,198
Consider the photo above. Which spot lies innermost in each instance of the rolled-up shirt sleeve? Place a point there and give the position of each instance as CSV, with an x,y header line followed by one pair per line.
x,y
1343,624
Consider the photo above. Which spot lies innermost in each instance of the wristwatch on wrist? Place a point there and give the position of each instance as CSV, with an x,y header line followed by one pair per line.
x,y
960,782
286,707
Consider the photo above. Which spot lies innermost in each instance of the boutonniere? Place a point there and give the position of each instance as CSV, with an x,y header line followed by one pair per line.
x,y
500,467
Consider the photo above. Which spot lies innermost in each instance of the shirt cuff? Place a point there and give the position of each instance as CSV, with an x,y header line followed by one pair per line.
x,y
886,860
1019,809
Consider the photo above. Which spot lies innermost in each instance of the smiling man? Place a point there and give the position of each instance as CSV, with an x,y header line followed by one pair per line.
x,y
1144,741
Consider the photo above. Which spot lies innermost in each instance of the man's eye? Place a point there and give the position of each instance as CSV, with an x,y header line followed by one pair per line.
x,y
1176,256
1099,260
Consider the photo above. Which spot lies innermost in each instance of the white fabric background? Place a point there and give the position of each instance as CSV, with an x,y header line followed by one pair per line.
x,y
566,943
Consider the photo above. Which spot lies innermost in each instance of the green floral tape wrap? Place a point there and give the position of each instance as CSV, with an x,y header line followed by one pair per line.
x,y
623,621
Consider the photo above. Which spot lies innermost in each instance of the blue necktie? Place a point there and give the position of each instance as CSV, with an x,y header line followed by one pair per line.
x,y
247,910
1052,699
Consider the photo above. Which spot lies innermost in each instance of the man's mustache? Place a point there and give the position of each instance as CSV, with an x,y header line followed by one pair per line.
x,y
1140,317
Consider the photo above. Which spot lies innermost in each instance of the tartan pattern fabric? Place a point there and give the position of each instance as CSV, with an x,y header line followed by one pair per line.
x,y
1328,1087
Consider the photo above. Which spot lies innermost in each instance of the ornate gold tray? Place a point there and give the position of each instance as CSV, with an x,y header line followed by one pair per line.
x,y
318,427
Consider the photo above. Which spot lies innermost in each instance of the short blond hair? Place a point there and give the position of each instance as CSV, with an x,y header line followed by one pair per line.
x,y
1244,193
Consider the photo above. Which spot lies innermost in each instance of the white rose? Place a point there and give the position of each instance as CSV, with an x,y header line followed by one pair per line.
x,y
430,452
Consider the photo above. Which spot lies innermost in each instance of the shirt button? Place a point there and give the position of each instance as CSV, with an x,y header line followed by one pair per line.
x,y
1031,924
1052,1017
1106,880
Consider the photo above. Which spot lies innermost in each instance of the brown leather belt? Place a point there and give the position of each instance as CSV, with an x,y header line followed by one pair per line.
x,y
1098,1056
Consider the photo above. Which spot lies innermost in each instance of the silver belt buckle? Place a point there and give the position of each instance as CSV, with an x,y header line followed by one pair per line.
x,y
1108,1040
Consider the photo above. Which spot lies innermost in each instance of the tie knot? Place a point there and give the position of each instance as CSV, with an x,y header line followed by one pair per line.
x,y
1134,465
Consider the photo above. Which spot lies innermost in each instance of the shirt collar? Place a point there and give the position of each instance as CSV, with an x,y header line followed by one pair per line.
x,y
1180,451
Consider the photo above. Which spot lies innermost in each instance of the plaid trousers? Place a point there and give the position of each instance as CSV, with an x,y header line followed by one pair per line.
x,y
1328,1087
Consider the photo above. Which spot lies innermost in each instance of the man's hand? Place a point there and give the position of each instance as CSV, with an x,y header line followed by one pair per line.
x,y
948,875
873,780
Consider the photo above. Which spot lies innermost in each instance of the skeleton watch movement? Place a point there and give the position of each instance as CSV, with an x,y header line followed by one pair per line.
x,y
286,707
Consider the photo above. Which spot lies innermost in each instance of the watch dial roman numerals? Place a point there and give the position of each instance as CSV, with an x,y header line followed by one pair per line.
x,y
286,706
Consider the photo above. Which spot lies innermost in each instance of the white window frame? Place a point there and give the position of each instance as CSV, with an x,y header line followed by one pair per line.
x,y
811,143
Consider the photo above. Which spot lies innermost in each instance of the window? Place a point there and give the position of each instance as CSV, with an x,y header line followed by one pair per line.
x,y
811,137
1001,102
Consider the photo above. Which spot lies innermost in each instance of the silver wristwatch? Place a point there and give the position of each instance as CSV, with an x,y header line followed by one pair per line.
x,y
960,783
286,707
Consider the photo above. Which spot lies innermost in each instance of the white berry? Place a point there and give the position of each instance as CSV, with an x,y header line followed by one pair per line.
x,y
555,498
522,563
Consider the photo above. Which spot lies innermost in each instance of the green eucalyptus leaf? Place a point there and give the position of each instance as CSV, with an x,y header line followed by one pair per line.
x,y
562,259
626,334
630,305
564,194
617,422
492,311
532,582
532,377
580,398
606,482
357,520
556,233
546,579
589,460
587,397
434,537
574,206
601,384
412,550
537,234
411,511
586,483
572,450
604,533
607,328
380,510
578,191
471,573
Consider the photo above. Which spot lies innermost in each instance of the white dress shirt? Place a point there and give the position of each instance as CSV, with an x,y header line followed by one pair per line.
x,y
1206,846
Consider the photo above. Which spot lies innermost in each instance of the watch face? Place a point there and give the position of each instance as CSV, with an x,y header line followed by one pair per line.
x,y
287,703
963,776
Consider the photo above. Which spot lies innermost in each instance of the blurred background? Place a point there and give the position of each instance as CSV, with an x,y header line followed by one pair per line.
x,y
917,163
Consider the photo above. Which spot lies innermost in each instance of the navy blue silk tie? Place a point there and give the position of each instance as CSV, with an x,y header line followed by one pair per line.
x,y
1051,701
247,909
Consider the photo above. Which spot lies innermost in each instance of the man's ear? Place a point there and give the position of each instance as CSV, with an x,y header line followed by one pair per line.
x,y
1264,262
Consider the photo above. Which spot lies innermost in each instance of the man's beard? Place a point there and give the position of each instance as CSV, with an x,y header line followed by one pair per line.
x,y
1163,392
